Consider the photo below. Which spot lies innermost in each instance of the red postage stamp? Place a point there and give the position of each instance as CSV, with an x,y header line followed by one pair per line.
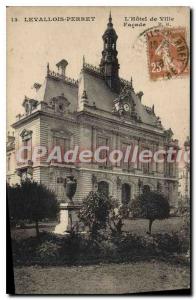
x,y
168,53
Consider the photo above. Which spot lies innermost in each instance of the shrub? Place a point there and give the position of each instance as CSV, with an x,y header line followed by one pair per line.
x,y
47,251
184,234
50,250
100,213
108,249
95,212
116,215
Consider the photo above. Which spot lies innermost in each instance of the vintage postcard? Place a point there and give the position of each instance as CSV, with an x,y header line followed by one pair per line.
x,y
98,143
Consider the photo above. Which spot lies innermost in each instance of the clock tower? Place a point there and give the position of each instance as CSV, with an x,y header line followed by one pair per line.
x,y
124,104
109,65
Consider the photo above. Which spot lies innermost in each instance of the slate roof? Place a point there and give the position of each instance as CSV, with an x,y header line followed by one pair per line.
x,y
53,87
98,93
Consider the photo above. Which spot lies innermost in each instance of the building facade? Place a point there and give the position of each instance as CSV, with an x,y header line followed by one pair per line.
x,y
98,109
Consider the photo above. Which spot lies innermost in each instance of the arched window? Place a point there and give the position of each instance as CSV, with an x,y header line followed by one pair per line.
x,y
126,193
103,187
146,188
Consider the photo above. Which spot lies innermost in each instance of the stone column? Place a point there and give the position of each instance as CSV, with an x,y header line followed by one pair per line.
x,y
135,147
139,165
154,168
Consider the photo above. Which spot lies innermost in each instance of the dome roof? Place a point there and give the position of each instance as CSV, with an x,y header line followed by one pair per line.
x,y
110,31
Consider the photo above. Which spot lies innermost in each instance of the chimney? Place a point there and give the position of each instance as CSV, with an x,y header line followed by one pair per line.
x,y
37,86
140,95
61,65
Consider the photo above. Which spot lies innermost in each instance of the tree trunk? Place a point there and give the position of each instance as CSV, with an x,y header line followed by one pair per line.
x,y
150,225
37,228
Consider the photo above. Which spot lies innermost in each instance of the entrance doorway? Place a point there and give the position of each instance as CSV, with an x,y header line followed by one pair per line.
x,y
146,189
126,193
103,187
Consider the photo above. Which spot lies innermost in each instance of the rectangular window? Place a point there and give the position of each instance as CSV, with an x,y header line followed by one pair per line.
x,y
60,180
26,145
146,165
169,167
27,155
25,151
103,154
125,165
63,143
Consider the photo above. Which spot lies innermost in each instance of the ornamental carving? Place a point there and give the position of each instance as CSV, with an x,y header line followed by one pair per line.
x,y
26,134
124,104
118,182
59,103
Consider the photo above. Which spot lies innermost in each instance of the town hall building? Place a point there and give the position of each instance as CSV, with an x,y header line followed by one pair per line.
x,y
98,109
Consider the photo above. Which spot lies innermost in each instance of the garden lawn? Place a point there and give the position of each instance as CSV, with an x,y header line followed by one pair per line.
x,y
137,226
102,279
140,226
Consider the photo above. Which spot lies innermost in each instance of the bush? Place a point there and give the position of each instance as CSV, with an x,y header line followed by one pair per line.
x,y
184,234
108,249
101,213
95,212
52,250
47,252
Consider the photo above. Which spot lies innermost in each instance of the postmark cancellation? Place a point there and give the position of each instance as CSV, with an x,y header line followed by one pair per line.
x,y
168,53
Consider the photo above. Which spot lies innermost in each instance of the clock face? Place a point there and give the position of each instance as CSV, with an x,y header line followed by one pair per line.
x,y
126,107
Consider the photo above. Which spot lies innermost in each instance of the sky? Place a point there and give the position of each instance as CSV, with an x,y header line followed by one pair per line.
x,y
31,45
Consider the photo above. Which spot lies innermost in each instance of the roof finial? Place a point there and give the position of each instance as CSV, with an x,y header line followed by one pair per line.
x,y
83,60
110,17
48,68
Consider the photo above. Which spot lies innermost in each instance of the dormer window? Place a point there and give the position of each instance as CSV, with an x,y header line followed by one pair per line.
x,y
60,103
29,105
